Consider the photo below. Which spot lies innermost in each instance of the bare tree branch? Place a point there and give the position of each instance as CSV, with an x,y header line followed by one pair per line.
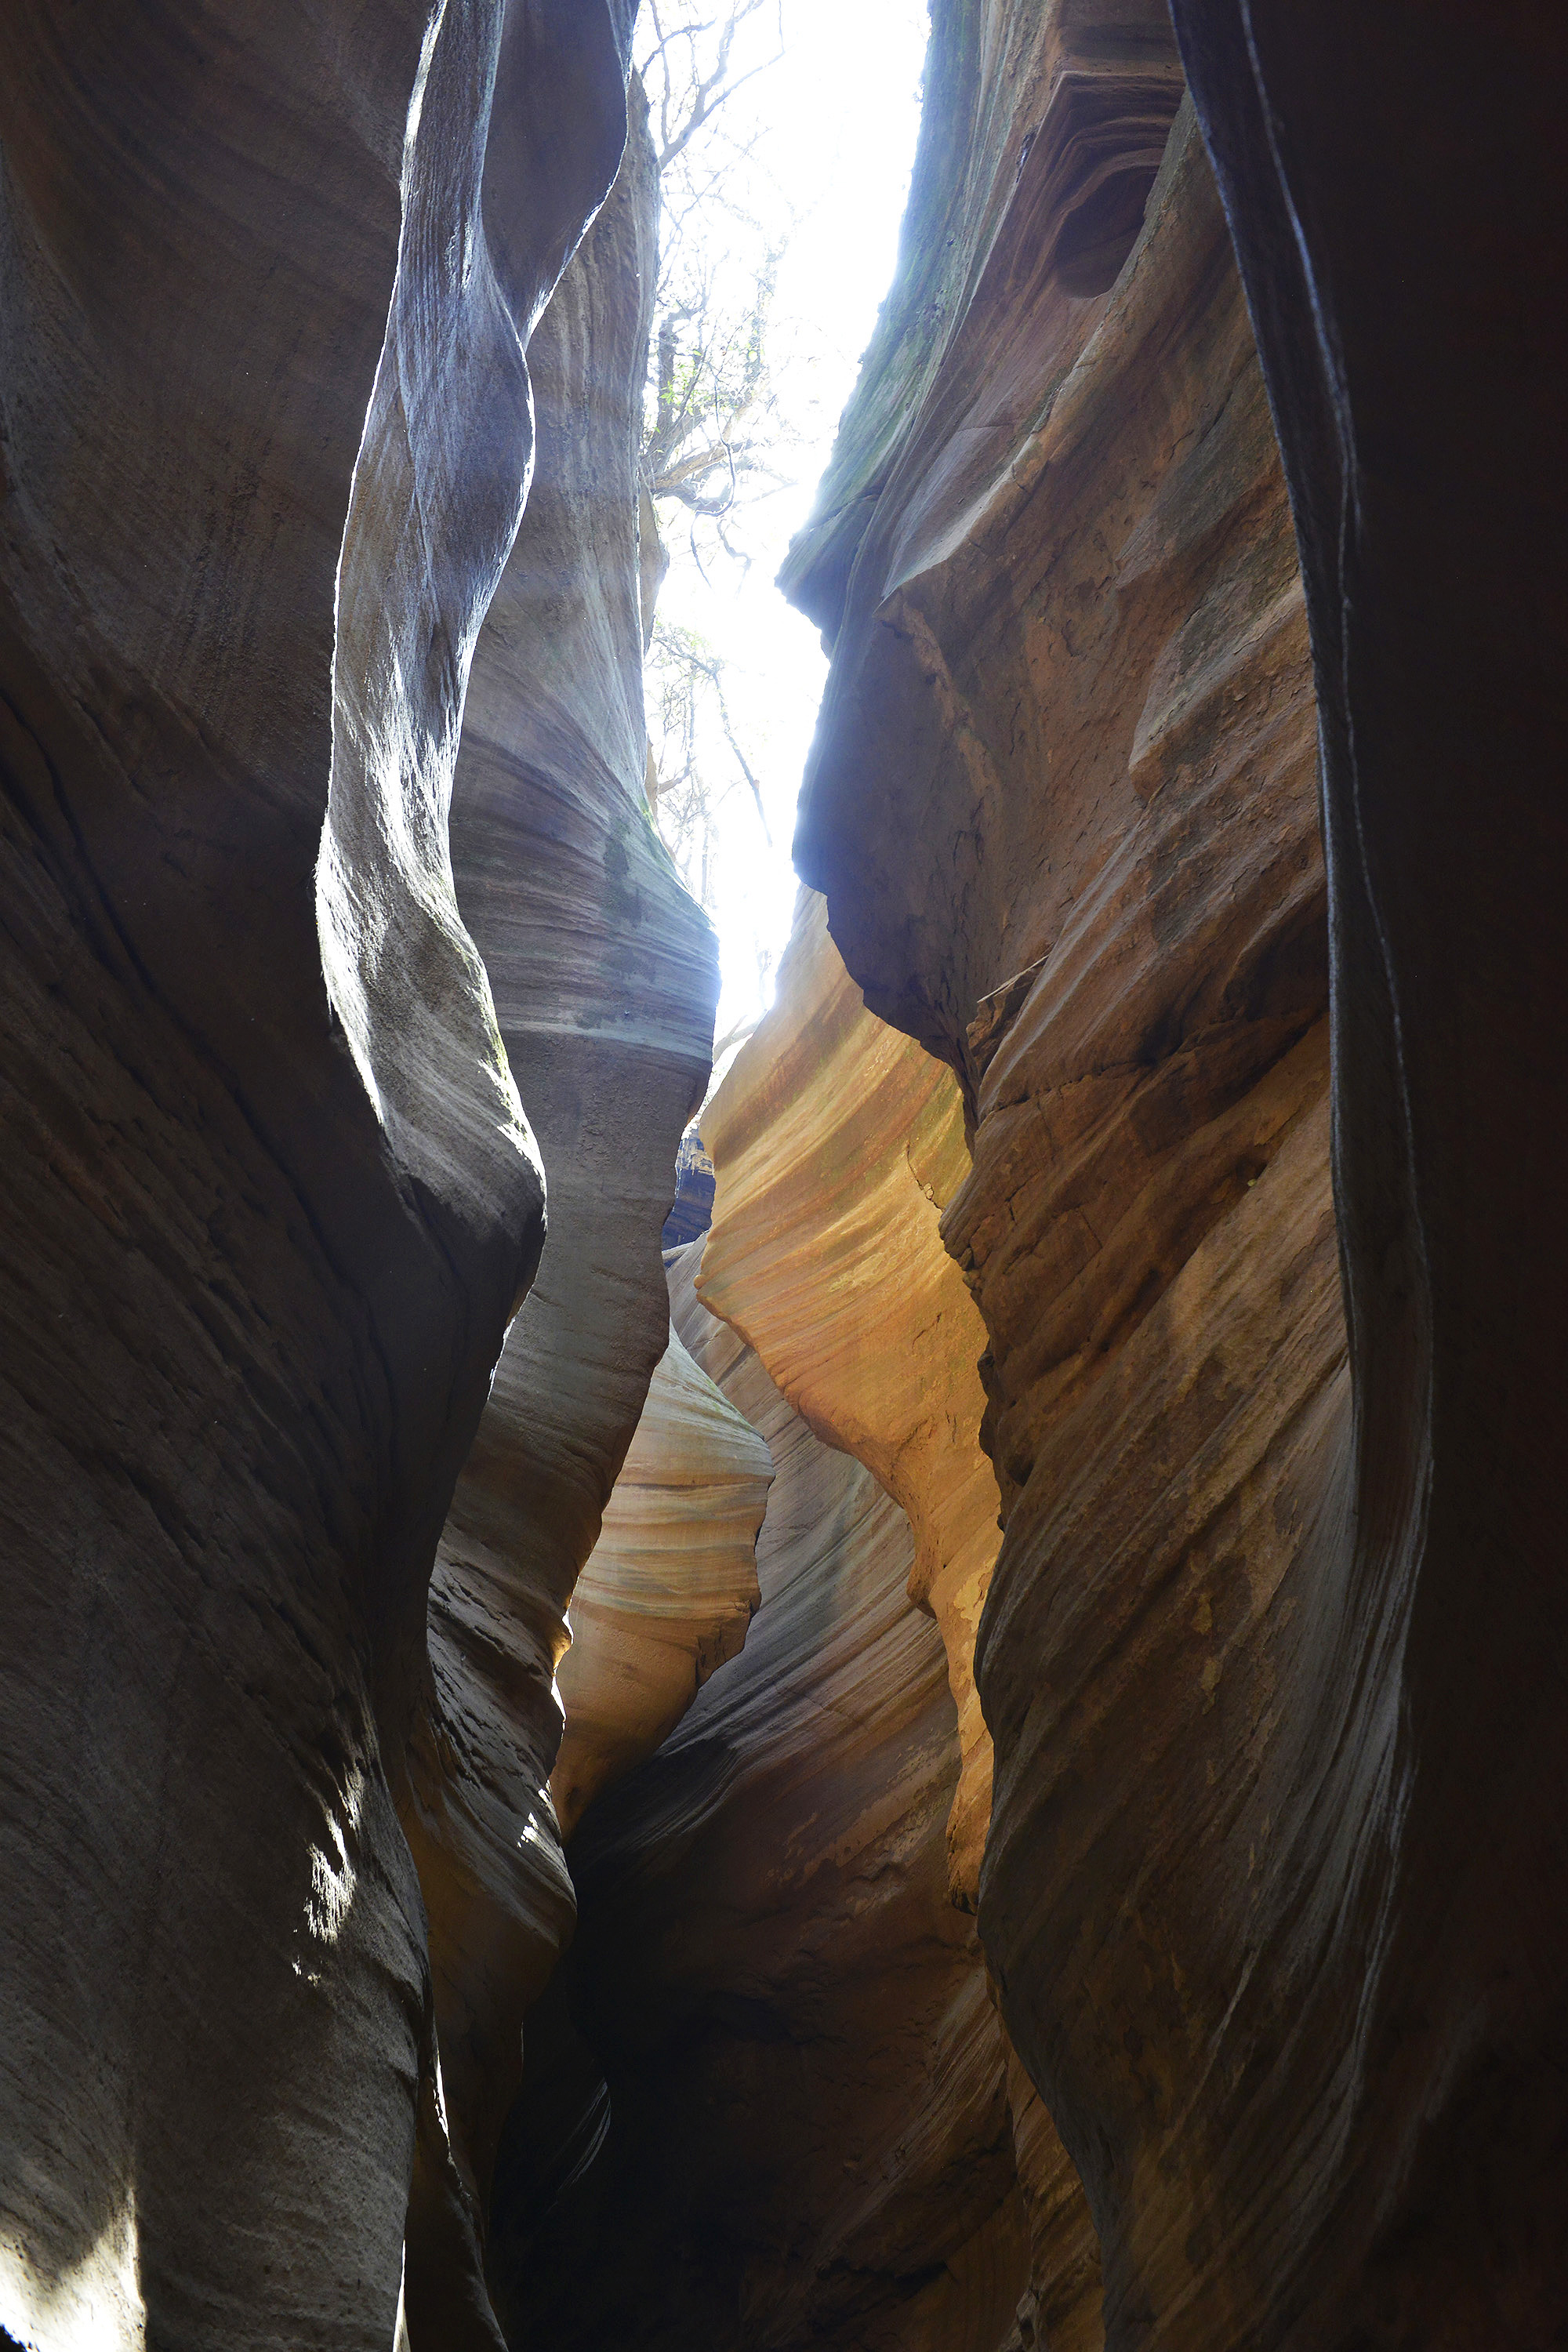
x,y
715,437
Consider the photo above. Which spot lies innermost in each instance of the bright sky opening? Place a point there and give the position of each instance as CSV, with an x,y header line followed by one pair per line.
x,y
836,121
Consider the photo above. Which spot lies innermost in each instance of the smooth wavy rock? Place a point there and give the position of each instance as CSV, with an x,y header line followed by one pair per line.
x,y
1398,205
837,1145
1062,803
671,1586
765,2101
1277,1904
252,1284
605,977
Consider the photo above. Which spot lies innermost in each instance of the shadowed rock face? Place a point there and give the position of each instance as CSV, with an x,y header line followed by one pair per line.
x,y
804,2138
1416,372
605,980
255,1268
1271,1657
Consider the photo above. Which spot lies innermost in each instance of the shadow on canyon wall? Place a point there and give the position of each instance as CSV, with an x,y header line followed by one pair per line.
x,y
1117,1893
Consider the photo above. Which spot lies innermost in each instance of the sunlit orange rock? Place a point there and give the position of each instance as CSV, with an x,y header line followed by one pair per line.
x,y
765,2099
837,1145
670,1589
1276,1902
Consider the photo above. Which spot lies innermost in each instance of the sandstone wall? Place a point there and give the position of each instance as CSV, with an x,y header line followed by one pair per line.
x,y
838,1145
271,1194
333,926
668,1592
1398,209
604,979
765,2099
1063,807
1085,664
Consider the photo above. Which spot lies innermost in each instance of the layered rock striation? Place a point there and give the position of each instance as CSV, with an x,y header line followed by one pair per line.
x,y
765,2099
1395,276
605,981
1110,1155
1085,662
266,431
671,1587
838,1144
1063,807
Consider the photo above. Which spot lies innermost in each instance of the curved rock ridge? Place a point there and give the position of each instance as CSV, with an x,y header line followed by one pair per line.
x,y
1277,1910
248,1310
1063,803
837,1145
765,2100
605,977
438,491
1397,226
1041,133
671,1586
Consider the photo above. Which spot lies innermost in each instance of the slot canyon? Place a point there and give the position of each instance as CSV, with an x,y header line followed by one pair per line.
x,y
918,1703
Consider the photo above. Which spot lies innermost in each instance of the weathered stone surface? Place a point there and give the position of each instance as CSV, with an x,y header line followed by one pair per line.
x,y
671,1586
1398,205
251,1284
1086,668
805,2134
837,1145
1094,686
1278,1911
604,979
1275,1889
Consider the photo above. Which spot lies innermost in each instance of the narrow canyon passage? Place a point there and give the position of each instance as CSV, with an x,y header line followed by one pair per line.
x,y
952,1742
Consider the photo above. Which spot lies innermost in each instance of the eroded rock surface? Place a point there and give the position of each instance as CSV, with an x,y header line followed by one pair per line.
x,y
766,2103
1063,806
294,948
670,1589
837,1145
1085,663
254,1282
605,980
1395,280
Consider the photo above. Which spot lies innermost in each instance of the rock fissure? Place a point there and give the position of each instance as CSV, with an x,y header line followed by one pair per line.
x,y
964,1757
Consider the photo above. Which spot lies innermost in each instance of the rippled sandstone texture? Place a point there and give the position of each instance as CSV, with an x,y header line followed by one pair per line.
x,y
269,1195
605,982
670,1590
1271,1657
837,1145
1416,373
765,2099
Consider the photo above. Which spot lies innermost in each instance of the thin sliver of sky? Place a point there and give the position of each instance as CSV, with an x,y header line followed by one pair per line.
x,y
831,127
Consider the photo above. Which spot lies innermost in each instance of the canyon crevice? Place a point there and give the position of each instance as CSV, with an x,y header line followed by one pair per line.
x,y
959,1748
272,1197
